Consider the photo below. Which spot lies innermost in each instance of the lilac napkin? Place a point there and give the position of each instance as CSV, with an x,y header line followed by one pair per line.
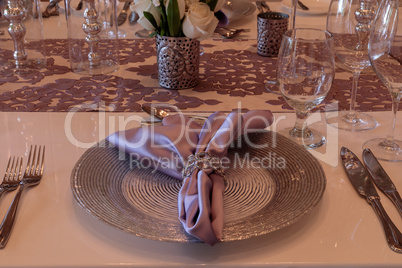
x,y
200,200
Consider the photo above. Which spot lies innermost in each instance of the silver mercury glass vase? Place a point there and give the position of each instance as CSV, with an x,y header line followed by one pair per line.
x,y
92,28
178,62
364,15
26,31
90,52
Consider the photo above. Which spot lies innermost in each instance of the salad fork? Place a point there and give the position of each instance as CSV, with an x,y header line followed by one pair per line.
x,y
32,176
12,176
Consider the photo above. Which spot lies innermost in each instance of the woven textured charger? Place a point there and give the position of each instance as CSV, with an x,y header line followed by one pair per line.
x,y
267,188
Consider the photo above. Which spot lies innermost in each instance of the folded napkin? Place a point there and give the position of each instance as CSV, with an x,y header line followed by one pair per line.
x,y
196,150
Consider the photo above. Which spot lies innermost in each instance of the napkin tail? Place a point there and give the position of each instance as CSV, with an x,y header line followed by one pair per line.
x,y
200,205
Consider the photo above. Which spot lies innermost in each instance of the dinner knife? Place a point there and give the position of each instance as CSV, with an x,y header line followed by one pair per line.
x,y
361,180
123,14
381,179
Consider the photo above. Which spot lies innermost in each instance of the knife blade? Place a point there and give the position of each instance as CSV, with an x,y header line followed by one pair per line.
x,y
361,180
79,6
123,14
302,6
381,179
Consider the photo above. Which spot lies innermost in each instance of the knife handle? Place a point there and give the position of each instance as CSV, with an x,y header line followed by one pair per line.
x,y
396,199
392,234
126,5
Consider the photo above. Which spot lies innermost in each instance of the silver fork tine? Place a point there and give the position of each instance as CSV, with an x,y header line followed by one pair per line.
x,y
15,175
9,167
12,175
42,161
37,161
29,161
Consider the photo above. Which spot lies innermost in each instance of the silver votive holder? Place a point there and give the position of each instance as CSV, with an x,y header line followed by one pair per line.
x,y
178,62
270,28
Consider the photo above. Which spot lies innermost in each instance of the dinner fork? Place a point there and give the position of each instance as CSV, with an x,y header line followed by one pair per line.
x,y
32,176
12,176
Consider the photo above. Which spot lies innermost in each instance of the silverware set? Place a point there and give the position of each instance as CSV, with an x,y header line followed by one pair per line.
x,y
14,179
362,177
229,33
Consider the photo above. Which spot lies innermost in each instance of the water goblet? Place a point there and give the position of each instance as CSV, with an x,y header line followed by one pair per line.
x,y
385,53
305,71
349,23
272,86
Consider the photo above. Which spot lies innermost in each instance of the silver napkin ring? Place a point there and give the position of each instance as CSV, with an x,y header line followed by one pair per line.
x,y
203,160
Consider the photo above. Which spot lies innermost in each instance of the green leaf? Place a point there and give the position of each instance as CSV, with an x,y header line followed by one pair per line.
x,y
163,24
152,20
173,18
212,4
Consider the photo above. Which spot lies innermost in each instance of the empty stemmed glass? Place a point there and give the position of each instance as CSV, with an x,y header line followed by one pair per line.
x,y
385,53
349,23
305,71
272,85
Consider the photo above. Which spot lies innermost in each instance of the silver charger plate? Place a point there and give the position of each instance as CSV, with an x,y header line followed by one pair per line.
x,y
267,188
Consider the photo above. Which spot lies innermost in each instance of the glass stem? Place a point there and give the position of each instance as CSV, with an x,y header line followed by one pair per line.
x,y
389,141
292,21
351,116
300,130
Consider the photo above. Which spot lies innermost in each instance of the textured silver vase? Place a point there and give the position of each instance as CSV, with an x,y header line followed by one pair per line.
x,y
178,61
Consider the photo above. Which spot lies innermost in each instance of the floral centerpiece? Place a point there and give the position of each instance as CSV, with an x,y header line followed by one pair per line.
x,y
179,18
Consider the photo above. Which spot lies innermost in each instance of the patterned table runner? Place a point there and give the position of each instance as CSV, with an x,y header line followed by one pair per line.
x,y
232,77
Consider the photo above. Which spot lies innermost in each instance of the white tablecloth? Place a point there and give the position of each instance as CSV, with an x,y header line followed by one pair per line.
x,y
53,231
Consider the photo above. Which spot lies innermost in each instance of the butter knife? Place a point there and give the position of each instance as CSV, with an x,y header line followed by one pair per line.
x,y
363,184
381,179
123,14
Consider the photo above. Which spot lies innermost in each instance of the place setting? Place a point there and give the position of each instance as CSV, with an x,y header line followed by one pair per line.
x,y
145,193
218,141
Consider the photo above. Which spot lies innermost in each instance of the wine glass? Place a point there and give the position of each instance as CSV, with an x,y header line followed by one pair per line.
x,y
385,53
272,86
305,71
349,23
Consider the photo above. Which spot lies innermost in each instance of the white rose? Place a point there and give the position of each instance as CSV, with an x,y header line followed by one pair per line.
x,y
146,5
189,2
219,5
182,7
199,22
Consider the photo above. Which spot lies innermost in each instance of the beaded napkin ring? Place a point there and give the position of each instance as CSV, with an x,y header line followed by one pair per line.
x,y
203,160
